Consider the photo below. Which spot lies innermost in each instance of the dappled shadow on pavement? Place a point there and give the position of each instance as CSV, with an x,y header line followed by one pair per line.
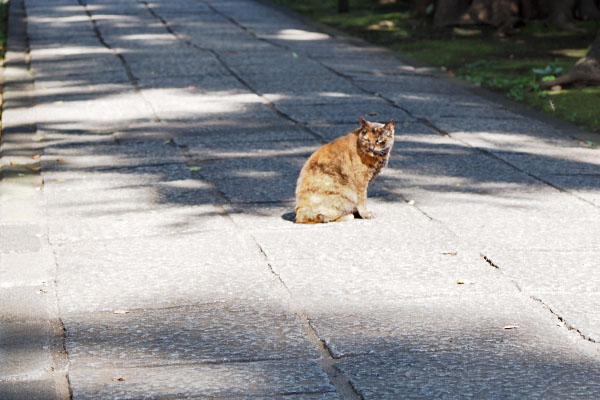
x,y
210,95
162,134
486,347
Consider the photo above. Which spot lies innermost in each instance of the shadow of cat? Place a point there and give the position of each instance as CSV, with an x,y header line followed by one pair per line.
x,y
289,216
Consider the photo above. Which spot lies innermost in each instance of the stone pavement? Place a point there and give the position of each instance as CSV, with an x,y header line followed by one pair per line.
x,y
149,157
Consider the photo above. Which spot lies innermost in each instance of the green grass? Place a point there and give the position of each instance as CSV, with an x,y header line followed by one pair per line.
x,y
475,54
3,25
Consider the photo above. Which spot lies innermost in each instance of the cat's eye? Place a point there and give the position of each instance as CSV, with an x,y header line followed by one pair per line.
x,y
380,141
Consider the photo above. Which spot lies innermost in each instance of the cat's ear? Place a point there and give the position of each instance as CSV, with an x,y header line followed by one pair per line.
x,y
389,126
364,123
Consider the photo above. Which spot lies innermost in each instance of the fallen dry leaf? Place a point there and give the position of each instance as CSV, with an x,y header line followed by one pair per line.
x,y
120,312
507,327
385,24
14,163
59,159
33,168
36,156
450,253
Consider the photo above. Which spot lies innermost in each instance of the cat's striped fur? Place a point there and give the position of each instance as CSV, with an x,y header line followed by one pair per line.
x,y
333,182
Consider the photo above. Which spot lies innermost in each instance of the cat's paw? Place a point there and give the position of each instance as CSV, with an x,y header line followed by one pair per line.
x,y
367,215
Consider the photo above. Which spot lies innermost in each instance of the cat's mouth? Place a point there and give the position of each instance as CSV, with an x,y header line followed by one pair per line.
x,y
381,152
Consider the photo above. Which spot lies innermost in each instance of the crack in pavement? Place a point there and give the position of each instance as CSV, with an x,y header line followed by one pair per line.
x,y
237,76
565,322
395,105
326,360
437,130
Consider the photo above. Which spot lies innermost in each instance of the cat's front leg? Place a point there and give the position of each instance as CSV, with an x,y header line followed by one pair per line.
x,y
362,207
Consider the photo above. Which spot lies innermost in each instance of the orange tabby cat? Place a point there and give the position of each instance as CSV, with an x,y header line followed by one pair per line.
x,y
332,185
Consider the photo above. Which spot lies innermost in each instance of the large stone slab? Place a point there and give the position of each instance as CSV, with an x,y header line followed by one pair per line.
x,y
255,179
26,269
236,133
67,157
20,197
575,169
25,350
203,149
112,112
20,238
267,380
343,113
183,103
577,310
192,62
397,228
31,389
210,333
187,216
290,85
459,375
199,85
177,269
482,130
493,346
476,325
26,332
550,270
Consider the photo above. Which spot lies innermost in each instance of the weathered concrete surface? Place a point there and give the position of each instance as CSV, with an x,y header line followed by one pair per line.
x,y
149,157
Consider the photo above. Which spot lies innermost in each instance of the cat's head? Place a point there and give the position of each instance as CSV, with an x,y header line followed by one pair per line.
x,y
376,138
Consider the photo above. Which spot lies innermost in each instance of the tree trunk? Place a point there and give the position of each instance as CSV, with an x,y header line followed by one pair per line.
x,y
420,6
561,13
594,52
589,9
343,6
448,12
503,14
531,9
586,71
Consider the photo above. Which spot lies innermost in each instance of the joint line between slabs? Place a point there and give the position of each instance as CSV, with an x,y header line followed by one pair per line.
x,y
216,54
393,104
442,133
58,352
326,360
133,80
566,323
562,319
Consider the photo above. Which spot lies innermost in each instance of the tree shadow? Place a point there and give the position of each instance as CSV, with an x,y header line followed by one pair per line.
x,y
176,140
225,135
